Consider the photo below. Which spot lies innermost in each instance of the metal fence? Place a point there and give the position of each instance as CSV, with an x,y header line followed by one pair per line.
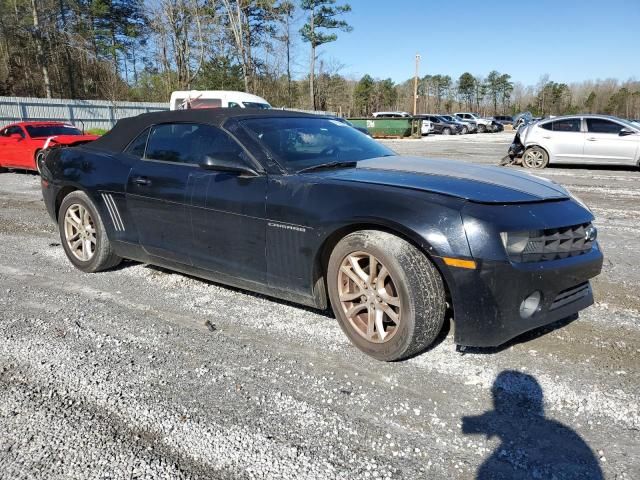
x,y
87,113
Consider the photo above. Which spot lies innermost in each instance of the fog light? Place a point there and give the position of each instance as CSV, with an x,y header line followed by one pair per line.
x,y
530,305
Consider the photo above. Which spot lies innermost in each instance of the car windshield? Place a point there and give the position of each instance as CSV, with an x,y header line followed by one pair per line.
x,y
301,142
263,106
51,130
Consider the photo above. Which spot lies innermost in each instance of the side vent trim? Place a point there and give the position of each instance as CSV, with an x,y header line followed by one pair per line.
x,y
116,219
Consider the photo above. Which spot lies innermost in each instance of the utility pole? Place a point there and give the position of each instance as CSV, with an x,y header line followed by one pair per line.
x,y
415,86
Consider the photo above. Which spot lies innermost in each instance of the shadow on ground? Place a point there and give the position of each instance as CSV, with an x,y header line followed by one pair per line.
x,y
532,446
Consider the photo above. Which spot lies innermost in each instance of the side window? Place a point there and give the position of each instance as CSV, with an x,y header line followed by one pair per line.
x,y
4,132
169,142
14,130
136,147
568,125
547,126
233,105
600,125
191,144
208,141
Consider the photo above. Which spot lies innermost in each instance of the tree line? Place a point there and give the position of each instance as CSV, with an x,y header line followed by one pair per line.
x,y
142,50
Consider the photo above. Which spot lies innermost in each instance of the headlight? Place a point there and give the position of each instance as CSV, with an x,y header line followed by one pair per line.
x,y
515,242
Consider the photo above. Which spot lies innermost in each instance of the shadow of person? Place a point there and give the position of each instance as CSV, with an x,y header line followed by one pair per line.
x,y
532,446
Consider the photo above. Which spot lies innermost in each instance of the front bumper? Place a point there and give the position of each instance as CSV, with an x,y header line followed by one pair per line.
x,y
486,301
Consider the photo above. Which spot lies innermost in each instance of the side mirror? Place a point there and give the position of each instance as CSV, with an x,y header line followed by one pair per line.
x,y
623,133
16,136
227,165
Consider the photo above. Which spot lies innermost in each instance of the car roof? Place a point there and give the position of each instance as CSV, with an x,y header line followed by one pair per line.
x,y
581,115
127,129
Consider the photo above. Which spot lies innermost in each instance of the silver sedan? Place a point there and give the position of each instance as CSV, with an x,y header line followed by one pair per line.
x,y
598,139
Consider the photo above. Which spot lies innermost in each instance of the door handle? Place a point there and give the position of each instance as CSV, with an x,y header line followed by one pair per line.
x,y
591,139
142,181
546,137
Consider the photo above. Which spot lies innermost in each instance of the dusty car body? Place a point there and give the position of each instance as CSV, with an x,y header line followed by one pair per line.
x,y
307,209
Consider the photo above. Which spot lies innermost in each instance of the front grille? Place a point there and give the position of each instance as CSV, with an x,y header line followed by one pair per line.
x,y
556,243
570,295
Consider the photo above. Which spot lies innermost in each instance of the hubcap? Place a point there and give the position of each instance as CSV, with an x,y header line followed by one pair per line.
x,y
80,232
369,297
534,159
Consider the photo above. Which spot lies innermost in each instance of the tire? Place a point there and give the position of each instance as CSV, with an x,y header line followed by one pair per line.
x,y
482,128
101,255
535,157
464,131
38,156
412,282
446,131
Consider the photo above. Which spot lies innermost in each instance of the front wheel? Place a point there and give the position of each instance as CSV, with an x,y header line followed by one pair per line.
x,y
446,131
388,297
465,130
535,157
83,235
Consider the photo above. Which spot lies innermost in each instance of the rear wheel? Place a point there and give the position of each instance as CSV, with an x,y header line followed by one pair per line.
x,y
388,297
446,131
535,157
482,128
83,235
465,130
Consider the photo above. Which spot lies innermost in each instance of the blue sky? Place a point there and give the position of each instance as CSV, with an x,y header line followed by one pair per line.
x,y
570,40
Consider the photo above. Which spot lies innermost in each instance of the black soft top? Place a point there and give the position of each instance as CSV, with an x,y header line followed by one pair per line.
x,y
116,139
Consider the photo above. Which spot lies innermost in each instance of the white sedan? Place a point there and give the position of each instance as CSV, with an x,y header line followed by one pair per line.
x,y
598,139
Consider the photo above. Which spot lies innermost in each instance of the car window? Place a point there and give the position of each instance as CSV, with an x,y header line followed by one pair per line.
x,y
601,125
191,144
13,130
136,147
566,125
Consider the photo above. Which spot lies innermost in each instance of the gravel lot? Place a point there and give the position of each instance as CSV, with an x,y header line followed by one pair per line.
x,y
143,373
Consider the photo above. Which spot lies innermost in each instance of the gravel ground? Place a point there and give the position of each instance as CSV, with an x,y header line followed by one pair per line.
x,y
143,373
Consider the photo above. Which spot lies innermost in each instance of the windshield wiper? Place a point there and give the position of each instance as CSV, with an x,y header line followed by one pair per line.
x,y
335,164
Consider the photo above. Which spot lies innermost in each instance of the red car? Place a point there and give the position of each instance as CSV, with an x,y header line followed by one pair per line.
x,y
22,143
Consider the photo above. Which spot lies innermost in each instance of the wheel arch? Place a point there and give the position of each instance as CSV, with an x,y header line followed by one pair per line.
x,y
321,261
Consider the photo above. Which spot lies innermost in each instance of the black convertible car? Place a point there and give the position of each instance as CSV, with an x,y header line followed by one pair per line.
x,y
308,209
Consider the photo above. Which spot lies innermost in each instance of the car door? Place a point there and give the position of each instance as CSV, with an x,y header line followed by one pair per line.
x,y
157,192
11,148
227,210
604,144
564,140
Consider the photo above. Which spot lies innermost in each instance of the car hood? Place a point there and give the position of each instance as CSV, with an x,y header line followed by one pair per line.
x,y
477,183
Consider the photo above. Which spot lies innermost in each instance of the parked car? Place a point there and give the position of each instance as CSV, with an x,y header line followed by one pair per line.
x,y
466,126
390,114
495,126
181,100
483,123
503,119
21,144
578,139
426,127
299,207
441,126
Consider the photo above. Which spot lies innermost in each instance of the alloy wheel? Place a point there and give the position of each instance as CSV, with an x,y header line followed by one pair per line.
x,y
533,159
80,232
369,297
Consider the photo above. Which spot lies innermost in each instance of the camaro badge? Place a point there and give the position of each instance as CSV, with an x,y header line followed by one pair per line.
x,y
287,227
